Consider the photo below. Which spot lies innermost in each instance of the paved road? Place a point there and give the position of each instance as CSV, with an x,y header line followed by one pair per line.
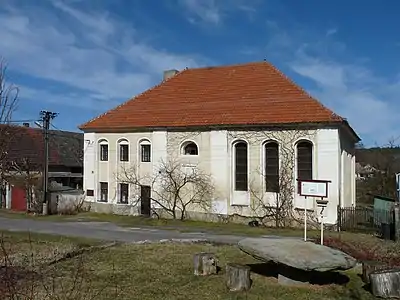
x,y
108,231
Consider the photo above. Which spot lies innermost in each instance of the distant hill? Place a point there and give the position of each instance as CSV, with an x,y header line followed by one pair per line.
x,y
379,157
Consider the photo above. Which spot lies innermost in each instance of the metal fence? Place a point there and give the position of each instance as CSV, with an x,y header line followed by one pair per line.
x,y
365,219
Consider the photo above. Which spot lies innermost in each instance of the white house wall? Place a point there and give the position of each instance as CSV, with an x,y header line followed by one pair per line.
x,y
90,166
347,152
216,158
328,168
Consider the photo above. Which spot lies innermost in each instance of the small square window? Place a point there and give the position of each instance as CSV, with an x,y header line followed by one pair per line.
x,y
145,151
90,193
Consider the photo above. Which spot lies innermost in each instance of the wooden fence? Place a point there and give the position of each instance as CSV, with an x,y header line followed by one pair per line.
x,y
365,219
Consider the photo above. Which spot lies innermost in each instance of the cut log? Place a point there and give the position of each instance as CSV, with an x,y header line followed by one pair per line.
x,y
204,264
370,266
385,283
238,277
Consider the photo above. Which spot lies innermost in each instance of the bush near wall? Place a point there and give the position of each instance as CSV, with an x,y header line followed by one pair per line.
x,y
363,247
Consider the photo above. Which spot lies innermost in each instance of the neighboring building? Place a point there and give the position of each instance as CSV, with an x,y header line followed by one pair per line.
x,y
25,158
364,171
230,121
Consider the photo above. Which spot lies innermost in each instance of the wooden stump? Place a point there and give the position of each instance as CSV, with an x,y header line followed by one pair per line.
x,y
238,277
204,264
371,266
385,283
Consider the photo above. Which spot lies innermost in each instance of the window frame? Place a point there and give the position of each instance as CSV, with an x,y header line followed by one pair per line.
x,y
241,184
101,191
123,156
104,155
143,144
190,144
271,170
309,159
120,193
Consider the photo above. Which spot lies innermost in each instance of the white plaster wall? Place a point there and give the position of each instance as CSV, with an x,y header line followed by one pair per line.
x,y
347,151
219,169
90,167
327,161
216,158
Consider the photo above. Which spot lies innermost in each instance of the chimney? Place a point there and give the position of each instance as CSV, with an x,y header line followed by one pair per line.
x,y
25,124
170,73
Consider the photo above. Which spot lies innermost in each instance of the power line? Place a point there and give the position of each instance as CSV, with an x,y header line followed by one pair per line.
x,y
21,121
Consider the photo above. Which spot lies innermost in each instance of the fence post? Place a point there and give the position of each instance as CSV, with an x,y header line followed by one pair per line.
x,y
396,220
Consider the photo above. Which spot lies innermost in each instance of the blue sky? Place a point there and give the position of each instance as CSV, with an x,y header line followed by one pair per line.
x,y
80,58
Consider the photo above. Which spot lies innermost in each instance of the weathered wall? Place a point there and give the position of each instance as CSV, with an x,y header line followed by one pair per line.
x,y
216,158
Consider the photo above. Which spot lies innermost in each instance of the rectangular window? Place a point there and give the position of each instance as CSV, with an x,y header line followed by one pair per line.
x,y
90,193
272,167
124,152
103,191
145,151
123,193
104,152
304,162
241,172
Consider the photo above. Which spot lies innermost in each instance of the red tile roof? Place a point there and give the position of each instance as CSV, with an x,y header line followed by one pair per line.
x,y
248,94
65,148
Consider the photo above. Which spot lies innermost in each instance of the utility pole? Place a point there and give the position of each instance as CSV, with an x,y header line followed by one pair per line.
x,y
46,117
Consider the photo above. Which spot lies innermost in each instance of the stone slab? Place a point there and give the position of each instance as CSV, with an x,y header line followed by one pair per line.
x,y
297,254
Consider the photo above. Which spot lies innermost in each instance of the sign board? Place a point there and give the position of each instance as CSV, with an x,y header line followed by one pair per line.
x,y
314,188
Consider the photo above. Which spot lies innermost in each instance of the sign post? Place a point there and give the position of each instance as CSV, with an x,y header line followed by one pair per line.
x,y
314,188
305,218
322,203
398,186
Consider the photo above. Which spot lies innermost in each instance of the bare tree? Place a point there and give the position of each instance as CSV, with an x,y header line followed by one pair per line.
x,y
273,195
175,188
8,104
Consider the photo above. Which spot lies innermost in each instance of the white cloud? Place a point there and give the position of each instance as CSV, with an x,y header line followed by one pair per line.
x,y
331,31
351,89
215,11
205,10
92,53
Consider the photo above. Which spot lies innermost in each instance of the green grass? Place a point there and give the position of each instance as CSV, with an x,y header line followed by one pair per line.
x,y
157,271
165,271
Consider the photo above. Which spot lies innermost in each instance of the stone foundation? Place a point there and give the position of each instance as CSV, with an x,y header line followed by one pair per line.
x,y
131,210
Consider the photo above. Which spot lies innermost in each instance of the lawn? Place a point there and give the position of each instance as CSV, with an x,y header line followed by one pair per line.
x,y
151,271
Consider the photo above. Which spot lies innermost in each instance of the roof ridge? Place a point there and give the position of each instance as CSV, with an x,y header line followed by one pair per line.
x,y
228,66
133,98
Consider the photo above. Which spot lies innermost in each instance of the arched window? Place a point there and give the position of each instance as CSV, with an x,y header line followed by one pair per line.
x,y
190,148
304,161
123,150
272,167
103,149
145,151
241,169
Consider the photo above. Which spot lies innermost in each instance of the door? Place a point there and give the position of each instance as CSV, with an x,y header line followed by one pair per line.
x,y
18,198
145,200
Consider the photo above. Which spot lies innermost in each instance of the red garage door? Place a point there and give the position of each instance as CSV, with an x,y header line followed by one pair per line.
x,y
18,198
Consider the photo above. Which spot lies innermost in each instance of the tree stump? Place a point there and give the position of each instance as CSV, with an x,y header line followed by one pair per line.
x,y
371,266
204,264
385,283
238,277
